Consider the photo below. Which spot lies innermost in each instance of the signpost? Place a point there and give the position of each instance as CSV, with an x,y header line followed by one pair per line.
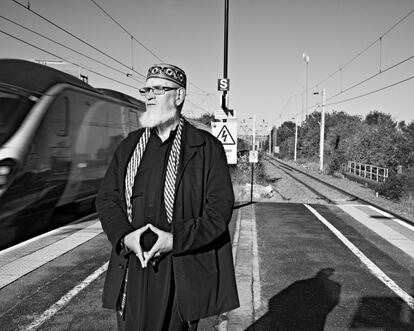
x,y
226,132
223,84
253,158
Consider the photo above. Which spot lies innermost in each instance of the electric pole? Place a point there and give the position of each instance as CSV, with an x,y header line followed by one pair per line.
x,y
296,139
321,140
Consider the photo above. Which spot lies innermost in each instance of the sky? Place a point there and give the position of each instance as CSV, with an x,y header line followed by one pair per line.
x,y
347,41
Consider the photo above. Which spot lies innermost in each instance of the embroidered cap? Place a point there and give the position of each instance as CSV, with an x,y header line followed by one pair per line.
x,y
168,71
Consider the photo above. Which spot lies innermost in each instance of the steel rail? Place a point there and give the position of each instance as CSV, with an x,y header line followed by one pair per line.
x,y
345,192
284,168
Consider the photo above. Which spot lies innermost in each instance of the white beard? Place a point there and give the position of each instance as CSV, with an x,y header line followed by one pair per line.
x,y
154,117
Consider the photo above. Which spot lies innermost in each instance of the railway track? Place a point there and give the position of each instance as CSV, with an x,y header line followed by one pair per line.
x,y
330,193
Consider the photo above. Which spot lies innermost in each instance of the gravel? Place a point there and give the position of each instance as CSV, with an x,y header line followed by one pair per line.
x,y
287,190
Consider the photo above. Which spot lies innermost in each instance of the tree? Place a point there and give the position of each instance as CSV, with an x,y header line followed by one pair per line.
x,y
286,139
379,118
341,130
404,147
286,130
379,141
286,148
310,135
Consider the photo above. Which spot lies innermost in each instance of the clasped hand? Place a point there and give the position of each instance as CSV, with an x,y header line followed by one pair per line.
x,y
164,243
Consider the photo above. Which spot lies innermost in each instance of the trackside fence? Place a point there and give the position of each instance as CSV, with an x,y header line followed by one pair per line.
x,y
367,171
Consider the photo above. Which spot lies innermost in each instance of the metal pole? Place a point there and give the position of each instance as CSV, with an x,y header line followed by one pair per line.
x,y
251,185
296,139
226,49
321,140
306,58
270,141
306,112
254,132
226,36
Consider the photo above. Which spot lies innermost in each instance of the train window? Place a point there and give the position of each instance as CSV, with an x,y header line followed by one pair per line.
x,y
99,130
51,150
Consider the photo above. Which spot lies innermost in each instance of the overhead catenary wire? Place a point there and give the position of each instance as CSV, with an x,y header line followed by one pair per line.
x,y
189,101
372,76
69,48
204,91
366,48
90,45
93,71
371,92
364,81
364,94
130,34
78,38
340,70
93,47
138,41
64,59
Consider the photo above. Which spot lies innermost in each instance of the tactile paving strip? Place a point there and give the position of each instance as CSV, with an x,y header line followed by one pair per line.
x,y
18,268
364,215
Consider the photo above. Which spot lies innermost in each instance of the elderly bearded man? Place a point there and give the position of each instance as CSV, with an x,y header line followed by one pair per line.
x,y
165,204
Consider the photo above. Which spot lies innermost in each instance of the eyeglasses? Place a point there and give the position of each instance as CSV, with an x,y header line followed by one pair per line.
x,y
157,90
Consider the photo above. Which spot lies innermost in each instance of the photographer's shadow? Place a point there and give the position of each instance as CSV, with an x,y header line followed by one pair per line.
x,y
304,305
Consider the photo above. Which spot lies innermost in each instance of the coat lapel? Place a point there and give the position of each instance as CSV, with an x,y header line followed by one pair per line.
x,y
191,140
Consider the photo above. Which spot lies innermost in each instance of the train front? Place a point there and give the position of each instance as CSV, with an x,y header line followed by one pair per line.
x,y
15,189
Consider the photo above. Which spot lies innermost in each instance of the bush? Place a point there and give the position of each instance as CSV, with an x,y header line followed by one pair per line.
x,y
336,159
241,172
398,186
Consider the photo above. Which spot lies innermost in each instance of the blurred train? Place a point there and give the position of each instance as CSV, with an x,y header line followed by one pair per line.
x,y
57,136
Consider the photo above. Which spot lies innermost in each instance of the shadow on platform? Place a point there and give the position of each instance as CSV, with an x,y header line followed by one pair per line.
x,y
304,305
384,313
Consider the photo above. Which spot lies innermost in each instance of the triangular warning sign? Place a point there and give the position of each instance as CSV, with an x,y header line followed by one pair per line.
x,y
225,137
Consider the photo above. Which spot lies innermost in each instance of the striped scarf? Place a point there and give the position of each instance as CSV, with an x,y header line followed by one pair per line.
x,y
169,186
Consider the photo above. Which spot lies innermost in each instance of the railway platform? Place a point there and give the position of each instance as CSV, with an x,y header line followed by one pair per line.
x,y
298,266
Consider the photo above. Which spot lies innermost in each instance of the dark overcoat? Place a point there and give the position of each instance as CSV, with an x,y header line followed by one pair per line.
x,y
202,257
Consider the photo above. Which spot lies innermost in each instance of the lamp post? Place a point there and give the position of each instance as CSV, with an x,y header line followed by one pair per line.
x,y
254,131
296,139
250,140
273,133
265,126
306,58
322,131
244,128
245,135
270,141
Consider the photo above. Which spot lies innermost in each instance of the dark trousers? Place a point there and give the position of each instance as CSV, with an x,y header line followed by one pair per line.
x,y
176,325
